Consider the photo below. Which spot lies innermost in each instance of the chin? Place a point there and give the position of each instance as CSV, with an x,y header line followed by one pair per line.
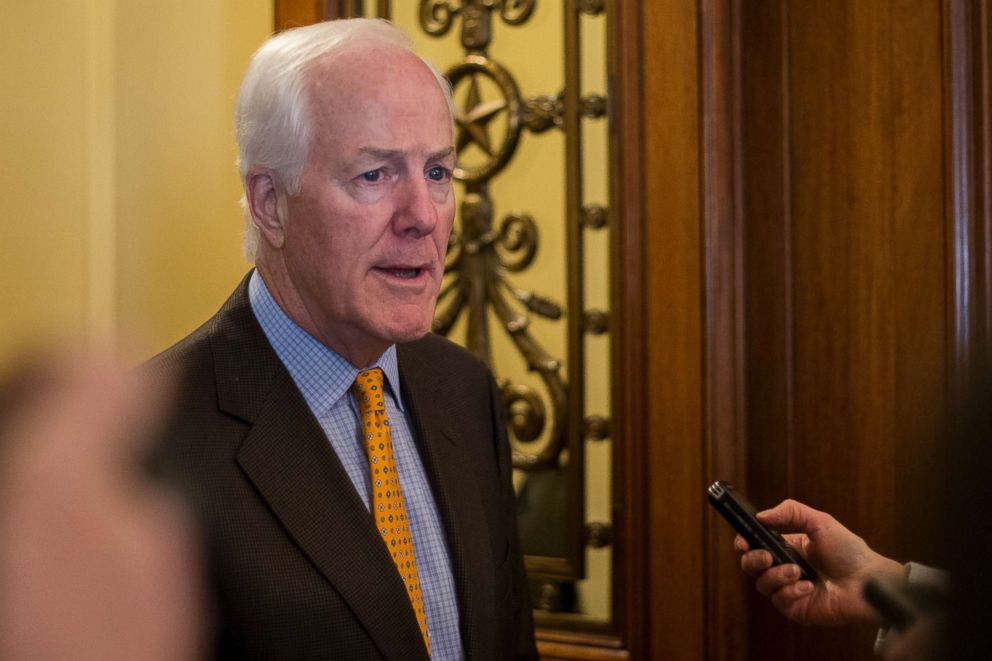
x,y
405,339
407,323
406,332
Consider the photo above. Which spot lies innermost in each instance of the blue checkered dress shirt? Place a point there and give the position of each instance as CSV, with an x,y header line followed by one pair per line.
x,y
325,379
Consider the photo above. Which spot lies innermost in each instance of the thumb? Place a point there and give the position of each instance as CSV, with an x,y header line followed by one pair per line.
x,y
791,516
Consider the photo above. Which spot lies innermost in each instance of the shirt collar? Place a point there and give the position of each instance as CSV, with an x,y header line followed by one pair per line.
x,y
322,375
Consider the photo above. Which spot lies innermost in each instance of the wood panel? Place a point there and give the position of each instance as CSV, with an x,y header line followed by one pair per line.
x,y
629,293
765,181
674,460
842,170
968,61
724,416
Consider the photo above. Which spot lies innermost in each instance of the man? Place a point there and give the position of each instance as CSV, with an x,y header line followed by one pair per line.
x,y
317,384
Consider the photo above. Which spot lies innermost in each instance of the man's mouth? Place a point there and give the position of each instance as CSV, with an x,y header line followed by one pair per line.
x,y
407,274
403,272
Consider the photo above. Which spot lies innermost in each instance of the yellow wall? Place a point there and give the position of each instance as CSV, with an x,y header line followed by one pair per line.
x,y
179,226
117,163
44,169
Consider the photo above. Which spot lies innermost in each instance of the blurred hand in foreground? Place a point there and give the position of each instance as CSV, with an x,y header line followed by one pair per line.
x,y
96,561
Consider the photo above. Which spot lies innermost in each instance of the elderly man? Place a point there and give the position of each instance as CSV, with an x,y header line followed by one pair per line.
x,y
351,470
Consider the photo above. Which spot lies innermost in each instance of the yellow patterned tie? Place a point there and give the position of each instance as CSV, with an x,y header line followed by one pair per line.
x,y
387,498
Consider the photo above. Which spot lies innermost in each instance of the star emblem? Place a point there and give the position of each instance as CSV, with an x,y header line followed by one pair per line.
x,y
473,120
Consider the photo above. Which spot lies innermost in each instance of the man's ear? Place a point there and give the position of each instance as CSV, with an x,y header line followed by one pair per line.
x,y
266,206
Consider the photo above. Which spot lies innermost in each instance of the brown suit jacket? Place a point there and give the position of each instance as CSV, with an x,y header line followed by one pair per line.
x,y
297,567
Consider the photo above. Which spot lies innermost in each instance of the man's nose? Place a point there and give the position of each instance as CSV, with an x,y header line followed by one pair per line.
x,y
417,213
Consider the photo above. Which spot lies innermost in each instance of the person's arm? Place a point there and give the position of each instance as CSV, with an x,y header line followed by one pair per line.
x,y
844,562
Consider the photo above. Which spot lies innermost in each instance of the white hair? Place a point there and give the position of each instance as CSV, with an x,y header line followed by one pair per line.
x,y
272,120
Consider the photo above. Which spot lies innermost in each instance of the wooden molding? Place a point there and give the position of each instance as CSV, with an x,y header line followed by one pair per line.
x,y
969,188
630,549
723,370
296,13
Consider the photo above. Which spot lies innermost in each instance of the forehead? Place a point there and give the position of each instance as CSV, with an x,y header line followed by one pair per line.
x,y
380,95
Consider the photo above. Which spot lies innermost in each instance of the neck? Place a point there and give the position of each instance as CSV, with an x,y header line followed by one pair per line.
x,y
280,285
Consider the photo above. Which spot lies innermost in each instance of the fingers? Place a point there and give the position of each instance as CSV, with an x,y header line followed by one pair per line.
x,y
753,563
117,408
795,540
781,584
788,595
88,411
775,579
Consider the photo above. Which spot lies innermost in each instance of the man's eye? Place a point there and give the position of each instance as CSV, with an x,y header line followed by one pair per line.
x,y
438,173
372,176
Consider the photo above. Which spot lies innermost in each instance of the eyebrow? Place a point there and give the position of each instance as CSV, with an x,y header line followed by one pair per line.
x,y
388,154
440,155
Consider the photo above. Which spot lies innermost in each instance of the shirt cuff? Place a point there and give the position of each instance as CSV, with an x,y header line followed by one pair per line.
x,y
916,574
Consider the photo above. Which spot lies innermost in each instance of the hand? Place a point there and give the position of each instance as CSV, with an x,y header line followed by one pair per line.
x,y
843,560
96,562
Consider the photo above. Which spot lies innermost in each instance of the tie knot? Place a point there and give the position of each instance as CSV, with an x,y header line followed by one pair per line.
x,y
368,390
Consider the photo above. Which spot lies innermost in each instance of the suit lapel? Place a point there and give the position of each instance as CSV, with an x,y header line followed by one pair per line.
x,y
461,510
288,459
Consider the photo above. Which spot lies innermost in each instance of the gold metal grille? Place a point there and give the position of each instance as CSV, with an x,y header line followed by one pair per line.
x,y
484,303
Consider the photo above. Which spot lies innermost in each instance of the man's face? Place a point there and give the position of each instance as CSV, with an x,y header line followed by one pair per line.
x,y
365,238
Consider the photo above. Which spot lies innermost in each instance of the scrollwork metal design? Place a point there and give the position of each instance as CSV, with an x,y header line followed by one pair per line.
x,y
482,258
526,411
544,112
595,216
599,535
517,234
597,428
593,106
476,26
592,7
516,12
595,322
436,16
473,120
